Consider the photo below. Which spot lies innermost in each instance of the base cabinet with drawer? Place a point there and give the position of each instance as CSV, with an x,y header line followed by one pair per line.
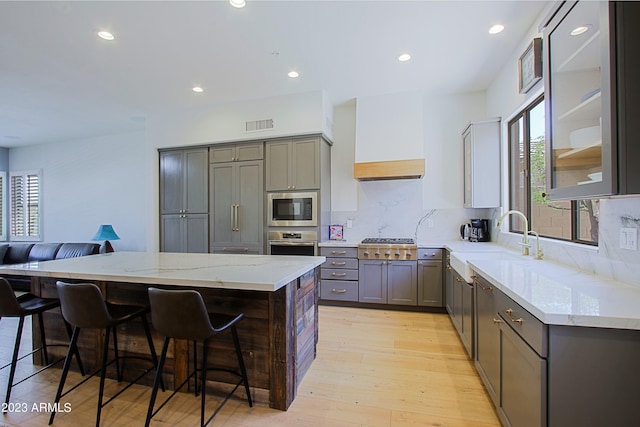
x,y
430,280
339,274
542,375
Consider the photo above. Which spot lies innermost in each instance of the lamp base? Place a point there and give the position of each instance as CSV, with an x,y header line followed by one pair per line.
x,y
107,247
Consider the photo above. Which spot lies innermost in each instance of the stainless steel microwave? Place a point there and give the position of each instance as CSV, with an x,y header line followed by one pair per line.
x,y
292,209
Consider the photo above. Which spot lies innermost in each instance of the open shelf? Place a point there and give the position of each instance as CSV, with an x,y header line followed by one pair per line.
x,y
590,155
589,108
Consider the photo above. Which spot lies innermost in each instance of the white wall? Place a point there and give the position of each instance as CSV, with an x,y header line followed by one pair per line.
x,y
396,208
292,114
90,182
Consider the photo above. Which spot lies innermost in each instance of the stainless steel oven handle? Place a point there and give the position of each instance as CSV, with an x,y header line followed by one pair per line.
x,y
285,243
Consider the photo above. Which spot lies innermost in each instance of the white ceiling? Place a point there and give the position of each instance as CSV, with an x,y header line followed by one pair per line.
x,y
59,81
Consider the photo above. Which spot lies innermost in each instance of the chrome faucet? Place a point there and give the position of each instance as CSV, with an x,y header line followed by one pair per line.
x,y
525,237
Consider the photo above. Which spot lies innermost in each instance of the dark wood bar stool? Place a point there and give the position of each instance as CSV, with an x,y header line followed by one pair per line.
x,y
181,314
27,305
83,307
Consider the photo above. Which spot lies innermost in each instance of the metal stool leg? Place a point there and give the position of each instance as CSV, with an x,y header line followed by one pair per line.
x,y
243,371
105,354
73,349
158,379
14,359
77,352
204,381
152,349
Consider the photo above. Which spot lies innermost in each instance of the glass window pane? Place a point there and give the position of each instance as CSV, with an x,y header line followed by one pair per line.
x,y
588,220
518,174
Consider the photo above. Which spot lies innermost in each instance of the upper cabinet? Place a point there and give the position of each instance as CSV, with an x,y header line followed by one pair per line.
x,y
481,146
184,180
293,164
592,97
236,153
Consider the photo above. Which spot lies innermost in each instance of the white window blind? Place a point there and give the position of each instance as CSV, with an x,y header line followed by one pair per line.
x,y
3,208
25,205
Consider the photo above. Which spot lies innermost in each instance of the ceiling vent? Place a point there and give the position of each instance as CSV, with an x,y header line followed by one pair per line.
x,y
258,125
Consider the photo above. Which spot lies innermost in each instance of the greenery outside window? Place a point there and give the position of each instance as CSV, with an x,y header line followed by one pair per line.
x,y
574,220
26,206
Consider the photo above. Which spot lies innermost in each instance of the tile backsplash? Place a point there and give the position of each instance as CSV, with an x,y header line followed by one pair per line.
x,y
389,209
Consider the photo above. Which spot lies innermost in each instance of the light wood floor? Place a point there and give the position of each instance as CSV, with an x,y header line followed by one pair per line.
x,y
374,368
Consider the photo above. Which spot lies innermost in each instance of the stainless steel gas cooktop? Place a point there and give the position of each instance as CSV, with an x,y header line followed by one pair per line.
x,y
388,248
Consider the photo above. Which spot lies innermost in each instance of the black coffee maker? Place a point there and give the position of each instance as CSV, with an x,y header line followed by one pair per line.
x,y
479,230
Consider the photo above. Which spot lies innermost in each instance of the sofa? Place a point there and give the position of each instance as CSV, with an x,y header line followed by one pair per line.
x,y
18,253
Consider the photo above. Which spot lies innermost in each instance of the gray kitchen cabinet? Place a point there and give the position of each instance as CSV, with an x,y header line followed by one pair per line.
x,y
461,312
339,274
591,99
237,207
184,181
556,375
184,200
511,357
487,338
448,284
430,284
187,233
388,282
225,153
481,147
293,164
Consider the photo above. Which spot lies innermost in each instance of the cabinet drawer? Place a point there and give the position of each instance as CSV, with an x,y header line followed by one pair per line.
x,y
430,253
532,330
339,290
341,263
339,252
338,274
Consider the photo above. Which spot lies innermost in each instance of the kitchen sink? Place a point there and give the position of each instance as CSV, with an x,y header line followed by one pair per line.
x,y
460,264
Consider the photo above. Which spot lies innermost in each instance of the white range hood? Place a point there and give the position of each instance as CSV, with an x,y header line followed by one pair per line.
x,y
389,137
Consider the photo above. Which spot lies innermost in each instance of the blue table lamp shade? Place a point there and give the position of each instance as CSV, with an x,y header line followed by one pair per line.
x,y
106,233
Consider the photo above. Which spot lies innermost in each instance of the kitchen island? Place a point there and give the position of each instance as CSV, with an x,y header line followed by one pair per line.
x,y
277,294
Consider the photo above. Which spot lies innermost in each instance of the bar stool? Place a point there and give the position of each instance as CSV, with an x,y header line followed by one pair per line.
x,y
83,307
21,307
181,314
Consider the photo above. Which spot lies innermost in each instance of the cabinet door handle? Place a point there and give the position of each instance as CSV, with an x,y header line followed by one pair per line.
x,y
338,252
236,219
496,321
338,263
338,291
509,312
459,279
484,288
338,274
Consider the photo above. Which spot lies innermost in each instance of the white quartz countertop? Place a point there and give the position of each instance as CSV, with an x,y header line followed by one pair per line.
x,y
556,294
243,272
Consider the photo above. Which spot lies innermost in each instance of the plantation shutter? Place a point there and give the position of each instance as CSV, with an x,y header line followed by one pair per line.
x,y
25,205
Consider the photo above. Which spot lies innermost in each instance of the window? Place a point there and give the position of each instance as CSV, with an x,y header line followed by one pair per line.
x,y
574,220
25,205
3,206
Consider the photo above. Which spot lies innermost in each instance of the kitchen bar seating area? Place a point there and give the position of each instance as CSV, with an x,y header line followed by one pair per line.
x,y
352,382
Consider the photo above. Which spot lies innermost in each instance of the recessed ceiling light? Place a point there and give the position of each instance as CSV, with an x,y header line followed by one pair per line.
x,y
293,74
238,3
404,57
106,35
496,29
580,30
197,89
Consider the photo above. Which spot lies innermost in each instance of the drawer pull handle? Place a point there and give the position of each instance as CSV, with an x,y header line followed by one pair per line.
x,y
338,291
484,288
338,263
338,274
459,279
496,321
510,314
339,252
